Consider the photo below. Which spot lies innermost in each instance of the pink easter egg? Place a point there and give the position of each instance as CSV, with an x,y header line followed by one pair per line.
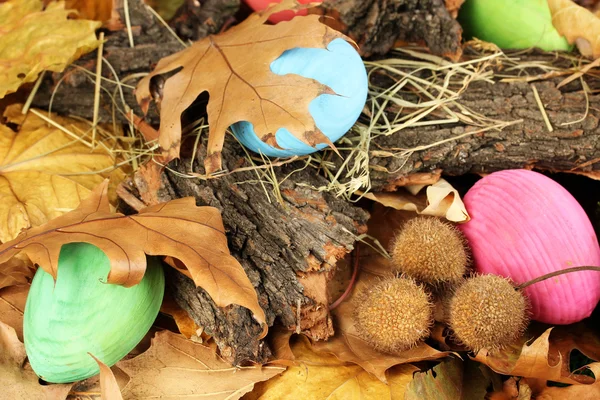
x,y
524,225
259,5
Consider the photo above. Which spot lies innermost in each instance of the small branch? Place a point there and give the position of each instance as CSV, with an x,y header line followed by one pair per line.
x,y
351,283
556,273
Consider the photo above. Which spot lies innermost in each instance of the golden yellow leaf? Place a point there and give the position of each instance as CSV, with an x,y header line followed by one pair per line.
x,y
33,39
578,25
241,88
45,172
320,376
177,368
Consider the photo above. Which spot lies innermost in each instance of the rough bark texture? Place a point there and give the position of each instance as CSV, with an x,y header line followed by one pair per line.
x,y
377,25
528,144
288,248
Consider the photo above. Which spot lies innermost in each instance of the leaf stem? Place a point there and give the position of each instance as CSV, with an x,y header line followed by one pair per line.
x,y
556,273
355,269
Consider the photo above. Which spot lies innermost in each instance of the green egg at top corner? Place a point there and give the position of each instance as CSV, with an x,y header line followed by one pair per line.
x,y
511,24
341,68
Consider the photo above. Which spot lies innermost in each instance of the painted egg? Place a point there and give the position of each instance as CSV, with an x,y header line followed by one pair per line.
x,y
524,225
339,67
259,5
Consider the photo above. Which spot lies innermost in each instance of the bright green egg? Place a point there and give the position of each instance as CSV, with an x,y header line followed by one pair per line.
x,y
511,24
81,313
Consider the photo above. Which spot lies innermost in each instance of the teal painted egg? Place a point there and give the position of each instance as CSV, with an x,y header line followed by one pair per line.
x,y
339,67
80,313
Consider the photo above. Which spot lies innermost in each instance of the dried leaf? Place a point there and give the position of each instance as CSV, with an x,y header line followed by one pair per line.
x,y
573,392
242,89
186,325
578,25
450,380
347,345
34,39
441,200
108,384
532,360
45,171
12,306
99,10
194,235
15,271
320,375
177,368
16,381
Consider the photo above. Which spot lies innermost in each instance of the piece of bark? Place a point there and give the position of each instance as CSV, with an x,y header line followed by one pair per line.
x,y
288,245
571,146
377,25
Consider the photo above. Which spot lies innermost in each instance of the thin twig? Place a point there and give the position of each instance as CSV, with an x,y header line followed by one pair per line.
x,y
556,273
542,109
97,88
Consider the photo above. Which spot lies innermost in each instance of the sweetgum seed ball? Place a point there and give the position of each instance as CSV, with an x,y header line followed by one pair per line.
x,y
394,315
487,312
430,251
524,225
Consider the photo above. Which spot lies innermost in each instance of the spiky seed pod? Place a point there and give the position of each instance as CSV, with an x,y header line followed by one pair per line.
x,y
430,251
488,312
394,314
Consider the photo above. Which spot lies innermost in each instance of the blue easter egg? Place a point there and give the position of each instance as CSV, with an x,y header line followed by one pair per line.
x,y
339,67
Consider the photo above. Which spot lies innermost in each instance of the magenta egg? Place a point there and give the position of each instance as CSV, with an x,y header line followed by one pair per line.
x,y
524,225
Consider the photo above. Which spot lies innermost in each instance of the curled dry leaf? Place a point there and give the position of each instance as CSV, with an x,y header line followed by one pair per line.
x,y
347,345
180,229
12,306
17,379
109,388
234,68
547,357
176,368
440,200
99,10
318,375
186,325
15,271
34,38
574,392
45,172
578,25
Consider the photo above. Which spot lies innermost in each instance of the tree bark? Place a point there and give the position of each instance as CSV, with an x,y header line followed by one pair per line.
x,y
377,25
288,240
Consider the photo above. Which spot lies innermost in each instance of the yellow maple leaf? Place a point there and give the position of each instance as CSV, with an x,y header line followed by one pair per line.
x,y
33,39
44,172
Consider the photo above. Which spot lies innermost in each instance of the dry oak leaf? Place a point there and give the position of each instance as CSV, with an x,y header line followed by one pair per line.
x,y
578,25
573,392
531,360
178,228
347,345
17,379
12,306
175,368
44,172
109,388
34,39
234,68
99,10
319,375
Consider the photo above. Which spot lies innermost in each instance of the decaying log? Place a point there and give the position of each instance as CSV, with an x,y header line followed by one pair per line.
x,y
288,240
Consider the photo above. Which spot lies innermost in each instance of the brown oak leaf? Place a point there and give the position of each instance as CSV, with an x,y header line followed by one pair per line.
x,y
234,68
176,368
194,235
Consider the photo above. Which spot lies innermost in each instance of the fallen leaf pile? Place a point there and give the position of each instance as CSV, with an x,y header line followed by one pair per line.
x,y
241,88
46,172
34,39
